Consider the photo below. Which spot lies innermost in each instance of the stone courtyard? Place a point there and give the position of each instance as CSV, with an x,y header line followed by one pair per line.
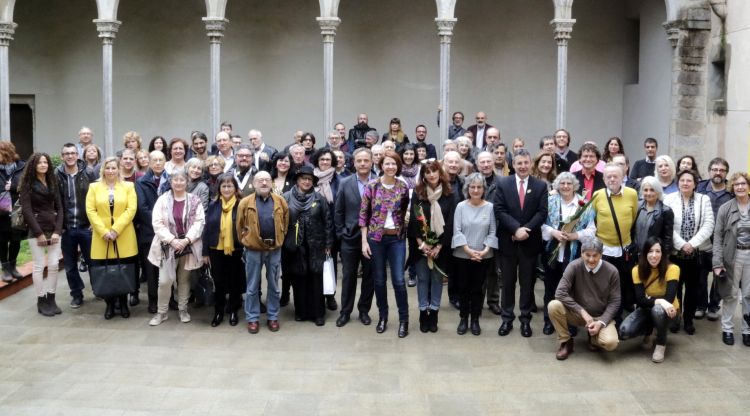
x,y
79,364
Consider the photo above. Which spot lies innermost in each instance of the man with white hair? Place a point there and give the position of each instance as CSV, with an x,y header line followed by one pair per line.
x,y
377,154
85,138
263,152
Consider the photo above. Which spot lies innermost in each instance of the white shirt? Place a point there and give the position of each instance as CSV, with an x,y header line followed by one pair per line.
x,y
480,136
568,210
610,250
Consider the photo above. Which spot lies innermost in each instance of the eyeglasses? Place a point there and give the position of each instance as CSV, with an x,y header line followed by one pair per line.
x,y
718,170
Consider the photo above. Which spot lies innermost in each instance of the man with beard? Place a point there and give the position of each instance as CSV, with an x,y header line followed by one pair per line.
x,y
716,189
421,135
479,130
357,133
244,169
456,129
198,148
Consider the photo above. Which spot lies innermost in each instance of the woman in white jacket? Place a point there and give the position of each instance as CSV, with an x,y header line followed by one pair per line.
x,y
693,227
178,220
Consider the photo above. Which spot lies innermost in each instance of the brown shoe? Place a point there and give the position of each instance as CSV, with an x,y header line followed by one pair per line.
x,y
273,326
591,346
252,327
566,348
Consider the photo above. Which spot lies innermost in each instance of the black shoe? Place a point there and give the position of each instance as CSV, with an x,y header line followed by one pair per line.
x,y
424,324
218,317
152,307
746,318
76,302
343,320
134,299
475,329
82,266
728,338
689,328
505,328
233,318
364,318
573,331
124,311
320,321
382,325
284,300
109,311
331,303
463,326
456,304
548,329
494,308
675,328
403,329
298,318
432,320
534,308
53,304
746,340
263,308
525,329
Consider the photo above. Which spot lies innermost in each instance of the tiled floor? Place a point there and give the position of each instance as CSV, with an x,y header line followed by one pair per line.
x,y
79,364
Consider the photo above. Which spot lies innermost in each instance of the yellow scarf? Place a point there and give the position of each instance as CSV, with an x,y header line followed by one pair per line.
x,y
226,239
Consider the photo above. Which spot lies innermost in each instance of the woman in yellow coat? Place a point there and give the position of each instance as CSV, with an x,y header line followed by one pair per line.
x,y
111,205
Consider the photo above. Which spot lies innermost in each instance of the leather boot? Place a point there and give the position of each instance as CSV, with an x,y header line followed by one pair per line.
x,y
42,306
13,271
6,276
109,311
433,320
52,304
124,310
424,321
463,326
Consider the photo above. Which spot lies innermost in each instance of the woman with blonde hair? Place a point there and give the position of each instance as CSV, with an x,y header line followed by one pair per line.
x,y
132,140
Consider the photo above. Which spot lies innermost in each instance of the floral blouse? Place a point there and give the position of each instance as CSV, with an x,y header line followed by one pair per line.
x,y
377,200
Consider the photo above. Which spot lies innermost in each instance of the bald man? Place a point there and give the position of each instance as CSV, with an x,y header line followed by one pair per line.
x,y
479,129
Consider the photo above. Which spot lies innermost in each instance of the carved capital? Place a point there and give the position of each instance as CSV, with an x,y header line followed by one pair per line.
x,y
674,30
6,33
562,29
215,27
107,29
328,27
445,28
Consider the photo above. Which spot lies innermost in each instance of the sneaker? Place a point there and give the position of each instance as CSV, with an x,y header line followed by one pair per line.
x,y
76,302
658,355
712,315
184,317
158,319
412,282
700,314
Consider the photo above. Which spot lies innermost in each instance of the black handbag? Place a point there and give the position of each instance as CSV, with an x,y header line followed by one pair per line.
x,y
17,221
112,277
204,289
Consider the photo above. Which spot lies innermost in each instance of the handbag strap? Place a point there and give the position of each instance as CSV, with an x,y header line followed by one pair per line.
x,y
614,219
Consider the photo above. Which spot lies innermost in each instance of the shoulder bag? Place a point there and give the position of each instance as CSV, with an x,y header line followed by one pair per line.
x,y
630,252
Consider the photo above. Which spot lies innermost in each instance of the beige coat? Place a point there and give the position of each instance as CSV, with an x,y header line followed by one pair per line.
x,y
164,231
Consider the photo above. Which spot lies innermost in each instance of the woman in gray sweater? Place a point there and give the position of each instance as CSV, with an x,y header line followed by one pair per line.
x,y
474,237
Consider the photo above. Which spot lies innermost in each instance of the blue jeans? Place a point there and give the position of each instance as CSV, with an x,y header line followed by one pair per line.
x,y
71,239
254,262
394,250
429,285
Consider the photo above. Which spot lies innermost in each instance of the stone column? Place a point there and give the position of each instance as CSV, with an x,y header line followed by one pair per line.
x,y
690,38
215,30
6,35
328,26
107,31
445,32
563,28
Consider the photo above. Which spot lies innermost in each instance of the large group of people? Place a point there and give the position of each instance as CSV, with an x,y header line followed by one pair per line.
x,y
622,252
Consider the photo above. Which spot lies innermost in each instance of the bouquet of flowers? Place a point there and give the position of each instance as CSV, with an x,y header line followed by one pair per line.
x,y
430,238
567,225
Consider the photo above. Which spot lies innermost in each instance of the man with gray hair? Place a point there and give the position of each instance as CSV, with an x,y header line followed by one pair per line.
x,y
85,138
377,154
244,169
263,152
371,138
588,295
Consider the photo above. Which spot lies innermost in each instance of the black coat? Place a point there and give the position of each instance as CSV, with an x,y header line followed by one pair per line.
x,y
83,179
598,180
308,236
661,225
447,206
213,226
147,193
14,178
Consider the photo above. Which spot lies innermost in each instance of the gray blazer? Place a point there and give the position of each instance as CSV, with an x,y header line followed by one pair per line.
x,y
346,212
725,244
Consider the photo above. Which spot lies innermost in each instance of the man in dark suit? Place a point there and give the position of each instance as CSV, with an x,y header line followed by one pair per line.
x,y
478,130
520,204
346,221
263,152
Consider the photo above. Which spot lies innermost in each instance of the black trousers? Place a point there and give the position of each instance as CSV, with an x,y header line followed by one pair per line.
x,y
351,258
689,289
151,272
470,284
229,280
643,321
309,302
552,276
518,268
627,289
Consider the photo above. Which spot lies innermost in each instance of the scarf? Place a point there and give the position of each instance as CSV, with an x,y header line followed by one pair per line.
x,y
324,182
300,202
226,239
9,168
436,214
409,174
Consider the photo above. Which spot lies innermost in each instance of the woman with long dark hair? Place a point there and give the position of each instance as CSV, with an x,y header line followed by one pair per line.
x,y
42,209
281,172
611,148
656,281
11,168
158,143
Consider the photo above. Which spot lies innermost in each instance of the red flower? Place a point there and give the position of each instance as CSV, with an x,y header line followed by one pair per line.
x,y
581,202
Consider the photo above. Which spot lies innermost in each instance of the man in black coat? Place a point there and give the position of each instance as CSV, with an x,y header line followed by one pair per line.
x,y
263,153
520,204
356,137
346,222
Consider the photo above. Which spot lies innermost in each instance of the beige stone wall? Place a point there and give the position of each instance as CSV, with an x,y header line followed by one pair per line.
x,y
386,63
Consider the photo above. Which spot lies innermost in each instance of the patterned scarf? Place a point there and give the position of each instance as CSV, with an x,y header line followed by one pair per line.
x,y
687,228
